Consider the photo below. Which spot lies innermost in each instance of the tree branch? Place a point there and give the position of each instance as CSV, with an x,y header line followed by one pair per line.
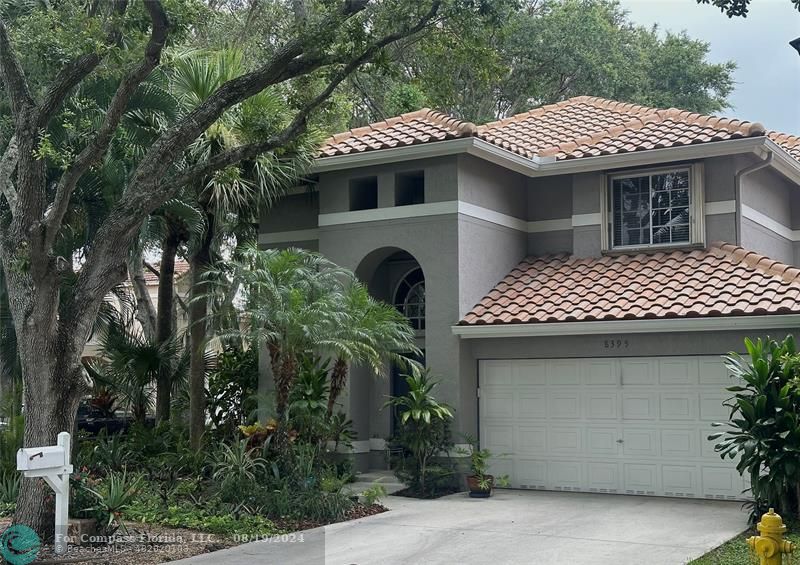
x,y
147,190
14,79
116,109
75,71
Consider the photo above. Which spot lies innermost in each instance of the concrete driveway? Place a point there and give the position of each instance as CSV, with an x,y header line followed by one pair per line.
x,y
511,527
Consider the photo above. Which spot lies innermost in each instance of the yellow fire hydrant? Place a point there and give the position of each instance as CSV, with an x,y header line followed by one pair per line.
x,y
770,546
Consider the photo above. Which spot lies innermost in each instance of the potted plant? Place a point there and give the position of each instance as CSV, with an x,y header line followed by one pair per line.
x,y
480,482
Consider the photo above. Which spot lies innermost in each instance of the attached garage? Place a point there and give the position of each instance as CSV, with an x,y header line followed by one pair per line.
x,y
628,425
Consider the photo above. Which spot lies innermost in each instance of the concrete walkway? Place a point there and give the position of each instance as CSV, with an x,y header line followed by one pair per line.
x,y
510,528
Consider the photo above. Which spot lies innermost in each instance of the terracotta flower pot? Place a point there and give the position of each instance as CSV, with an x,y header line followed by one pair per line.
x,y
475,490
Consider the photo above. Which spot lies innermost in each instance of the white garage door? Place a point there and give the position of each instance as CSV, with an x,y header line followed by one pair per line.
x,y
625,426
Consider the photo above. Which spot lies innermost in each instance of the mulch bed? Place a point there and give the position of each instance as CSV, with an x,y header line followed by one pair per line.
x,y
408,493
155,544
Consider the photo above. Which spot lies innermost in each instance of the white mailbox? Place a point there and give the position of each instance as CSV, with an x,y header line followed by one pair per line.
x,y
36,458
52,463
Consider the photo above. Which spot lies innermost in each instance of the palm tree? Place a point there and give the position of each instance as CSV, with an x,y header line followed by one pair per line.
x,y
229,198
289,304
375,335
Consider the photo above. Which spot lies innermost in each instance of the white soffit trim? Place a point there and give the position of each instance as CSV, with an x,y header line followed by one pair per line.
x,y
543,329
288,236
594,219
481,213
770,224
540,226
720,207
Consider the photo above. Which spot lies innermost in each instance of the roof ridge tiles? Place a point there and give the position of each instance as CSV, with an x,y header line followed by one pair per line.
x,y
759,262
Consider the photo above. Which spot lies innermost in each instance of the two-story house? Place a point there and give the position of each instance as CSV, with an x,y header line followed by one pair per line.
x,y
574,274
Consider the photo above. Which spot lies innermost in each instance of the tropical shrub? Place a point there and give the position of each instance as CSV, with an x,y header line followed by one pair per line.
x,y
10,441
422,437
763,432
113,496
232,390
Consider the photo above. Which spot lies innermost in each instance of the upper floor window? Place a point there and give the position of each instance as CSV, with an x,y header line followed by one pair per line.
x,y
409,298
658,208
409,188
364,193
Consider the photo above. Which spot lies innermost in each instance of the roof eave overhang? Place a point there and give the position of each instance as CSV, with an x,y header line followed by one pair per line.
x,y
667,325
547,166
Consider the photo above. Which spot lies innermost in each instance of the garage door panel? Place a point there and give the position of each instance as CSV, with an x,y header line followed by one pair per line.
x,y
639,406
638,372
530,373
713,372
603,476
497,405
640,443
640,478
498,439
531,404
564,372
678,406
602,442
678,371
531,440
711,408
625,425
599,372
722,482
564,404
565,475
497,373
530,473
565,440
679,443
680,480
601,405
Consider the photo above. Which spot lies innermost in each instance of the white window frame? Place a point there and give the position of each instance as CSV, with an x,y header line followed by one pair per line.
x,y
697,230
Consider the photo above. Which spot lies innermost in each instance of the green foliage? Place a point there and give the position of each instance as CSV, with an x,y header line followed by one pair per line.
x,y
11,437
479,465
733,8
237,463
423,434
112,497
232,390
373,494
309,400
519,55
9,487
763,433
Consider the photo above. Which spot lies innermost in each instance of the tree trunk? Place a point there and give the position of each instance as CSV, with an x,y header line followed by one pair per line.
x,y
198,311
338,382
164,325
53,386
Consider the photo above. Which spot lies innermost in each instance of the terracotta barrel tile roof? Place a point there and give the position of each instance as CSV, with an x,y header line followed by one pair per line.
x,y
583,126
421,126
723,280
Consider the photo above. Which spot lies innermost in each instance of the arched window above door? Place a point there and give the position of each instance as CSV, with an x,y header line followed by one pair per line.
x,y
409,298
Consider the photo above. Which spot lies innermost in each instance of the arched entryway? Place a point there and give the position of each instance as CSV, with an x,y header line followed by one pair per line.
x,y
392,275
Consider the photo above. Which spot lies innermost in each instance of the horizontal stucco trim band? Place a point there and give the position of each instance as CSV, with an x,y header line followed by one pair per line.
x,y
720,207
455,207
769,223
287,236
741,323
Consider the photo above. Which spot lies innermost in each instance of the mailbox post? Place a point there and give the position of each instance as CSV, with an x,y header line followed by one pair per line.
x,y
51,463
